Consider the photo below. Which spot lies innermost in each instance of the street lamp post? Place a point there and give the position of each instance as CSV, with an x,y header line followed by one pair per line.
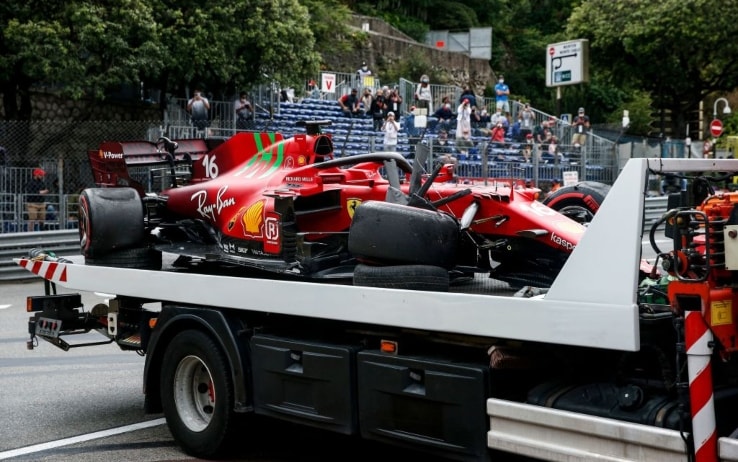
x,y
726,109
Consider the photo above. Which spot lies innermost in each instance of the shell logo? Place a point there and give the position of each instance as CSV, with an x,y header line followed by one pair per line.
x,y
301,160
253,218
351,205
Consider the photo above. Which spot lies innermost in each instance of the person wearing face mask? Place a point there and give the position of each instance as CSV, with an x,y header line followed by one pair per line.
x,y
423,96
363,71
502,92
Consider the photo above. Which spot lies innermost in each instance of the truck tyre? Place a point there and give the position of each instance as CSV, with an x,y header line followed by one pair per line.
x,y
410,277
395,233
197,395
579,202
137,258
109,219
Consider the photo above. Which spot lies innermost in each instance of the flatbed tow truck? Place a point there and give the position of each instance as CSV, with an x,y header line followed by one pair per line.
x,y
607,364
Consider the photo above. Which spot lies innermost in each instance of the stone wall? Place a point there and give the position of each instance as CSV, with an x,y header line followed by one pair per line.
x,y
50,106
391,44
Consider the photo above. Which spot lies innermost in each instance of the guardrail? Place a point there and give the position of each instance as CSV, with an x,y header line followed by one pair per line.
x,y
66,242
653,209
15,245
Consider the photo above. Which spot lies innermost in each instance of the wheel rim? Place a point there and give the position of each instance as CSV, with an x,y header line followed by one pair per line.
x,y
577,213
84,227
194,393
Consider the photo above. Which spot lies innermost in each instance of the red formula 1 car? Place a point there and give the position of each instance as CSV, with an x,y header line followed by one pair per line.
x,y
288,207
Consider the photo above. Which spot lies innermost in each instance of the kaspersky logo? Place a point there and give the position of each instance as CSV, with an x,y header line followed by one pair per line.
x,y
558,240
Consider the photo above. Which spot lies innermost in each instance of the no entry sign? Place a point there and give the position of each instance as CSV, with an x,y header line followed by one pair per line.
x,y
716,128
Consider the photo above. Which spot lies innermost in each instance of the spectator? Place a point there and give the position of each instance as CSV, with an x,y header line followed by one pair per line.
x,y
498,116
313,90
34,191
542,136
390,128
553,149
363,72
581,128
287,95
555,185
242,107
484,123
366,102
379,109
502,92
468,93
443,150
423,96
498,133
349,103
527,121
463,120
408,122
444,115
394,103
198,106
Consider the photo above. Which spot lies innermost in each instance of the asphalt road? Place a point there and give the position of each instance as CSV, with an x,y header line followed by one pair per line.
x,y
87,405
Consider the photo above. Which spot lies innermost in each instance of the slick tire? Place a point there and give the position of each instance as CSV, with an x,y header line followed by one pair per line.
x,y
579,202
197,395
135,257
110,219
399,234
410,277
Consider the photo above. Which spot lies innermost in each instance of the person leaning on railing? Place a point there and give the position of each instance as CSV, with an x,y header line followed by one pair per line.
x,y
34,191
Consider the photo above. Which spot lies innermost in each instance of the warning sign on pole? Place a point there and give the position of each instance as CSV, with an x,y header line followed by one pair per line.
x,y
328,83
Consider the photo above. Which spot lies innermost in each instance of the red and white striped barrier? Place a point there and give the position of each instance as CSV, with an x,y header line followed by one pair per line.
x,y
698,340
49,270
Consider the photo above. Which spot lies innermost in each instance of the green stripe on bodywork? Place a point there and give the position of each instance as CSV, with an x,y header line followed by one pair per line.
x,y
277,163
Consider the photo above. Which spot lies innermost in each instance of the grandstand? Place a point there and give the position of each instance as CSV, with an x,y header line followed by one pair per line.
x,y
356,135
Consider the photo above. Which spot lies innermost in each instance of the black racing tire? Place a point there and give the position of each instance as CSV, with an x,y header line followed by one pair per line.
x,y
197,395
110,219
580,202
135,257
394,233
410,277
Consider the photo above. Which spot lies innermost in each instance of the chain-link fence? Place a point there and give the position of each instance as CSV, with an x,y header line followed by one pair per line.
x,y
60,150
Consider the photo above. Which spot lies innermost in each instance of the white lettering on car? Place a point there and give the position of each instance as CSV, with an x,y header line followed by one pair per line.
x,y
112,155
211,210
558,240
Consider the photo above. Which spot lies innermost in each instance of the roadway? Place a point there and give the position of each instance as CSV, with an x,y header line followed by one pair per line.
x,y
87,404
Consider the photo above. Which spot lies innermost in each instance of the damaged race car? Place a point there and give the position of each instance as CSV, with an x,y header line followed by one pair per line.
x,y
288,207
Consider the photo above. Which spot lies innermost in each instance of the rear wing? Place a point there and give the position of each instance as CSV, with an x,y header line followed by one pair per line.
x,y
111,161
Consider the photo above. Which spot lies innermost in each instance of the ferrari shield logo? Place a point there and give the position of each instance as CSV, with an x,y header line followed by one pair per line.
x,y
351,205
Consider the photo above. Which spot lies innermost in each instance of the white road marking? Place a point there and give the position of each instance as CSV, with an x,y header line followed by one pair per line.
x,y
3,307
80,439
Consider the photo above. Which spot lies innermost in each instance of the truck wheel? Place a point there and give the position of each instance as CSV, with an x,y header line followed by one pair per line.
x,y
136,257
579,202
410,277
388,232
197,394
109,219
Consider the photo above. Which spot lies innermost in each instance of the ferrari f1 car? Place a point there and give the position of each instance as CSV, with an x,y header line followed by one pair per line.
x,y
287,207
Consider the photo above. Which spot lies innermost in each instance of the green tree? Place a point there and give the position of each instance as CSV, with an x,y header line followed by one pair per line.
x,y
234,44
82,48
86,49
679,51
